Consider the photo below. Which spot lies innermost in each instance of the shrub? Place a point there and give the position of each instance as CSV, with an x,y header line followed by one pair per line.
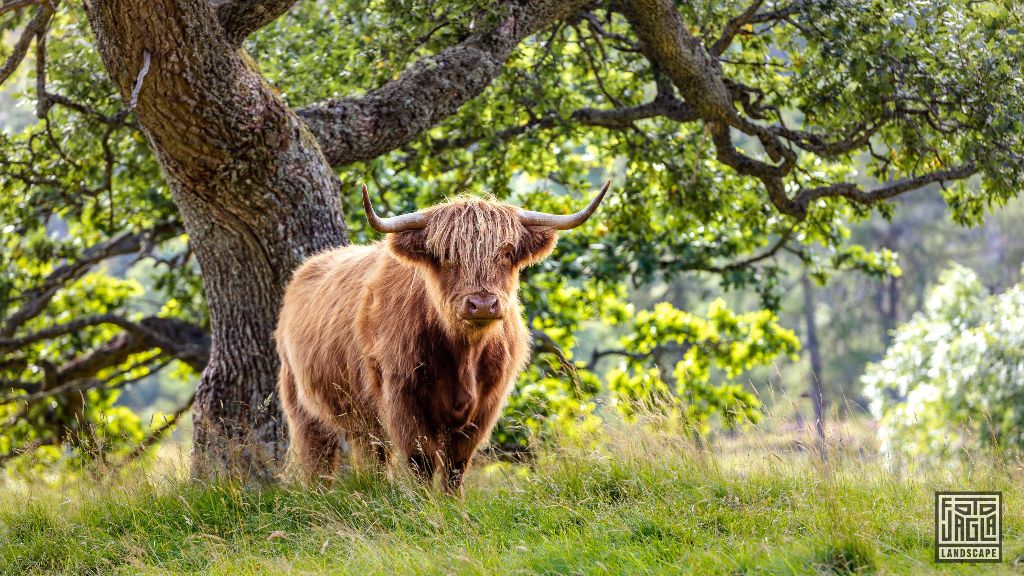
x,y
953,378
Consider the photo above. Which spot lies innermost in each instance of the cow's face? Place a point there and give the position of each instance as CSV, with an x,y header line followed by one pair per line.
x,y
472,251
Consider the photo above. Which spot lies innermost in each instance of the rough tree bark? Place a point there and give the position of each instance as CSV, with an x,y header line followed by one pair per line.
x,y
255,193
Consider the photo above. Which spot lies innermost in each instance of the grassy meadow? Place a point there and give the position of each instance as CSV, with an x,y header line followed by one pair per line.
x,y
633,502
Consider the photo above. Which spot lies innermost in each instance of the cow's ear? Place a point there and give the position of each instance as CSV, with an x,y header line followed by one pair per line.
x,y
536,245
411,246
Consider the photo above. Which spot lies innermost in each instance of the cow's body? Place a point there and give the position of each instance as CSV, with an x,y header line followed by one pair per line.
x,y
366,357
411,345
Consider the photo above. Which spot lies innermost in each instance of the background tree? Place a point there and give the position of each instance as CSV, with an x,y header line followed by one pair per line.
x,y
731,130
950,383
859,313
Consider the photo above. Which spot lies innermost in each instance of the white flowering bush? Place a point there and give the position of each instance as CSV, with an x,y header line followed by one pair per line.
x,y
953,378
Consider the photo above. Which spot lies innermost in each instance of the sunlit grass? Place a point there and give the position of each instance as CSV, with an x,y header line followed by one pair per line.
x,y
634,502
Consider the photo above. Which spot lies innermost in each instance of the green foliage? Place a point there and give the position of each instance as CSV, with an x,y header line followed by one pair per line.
x,y
67,183
68,435
562,400
724,340
951,381
544,407
88,421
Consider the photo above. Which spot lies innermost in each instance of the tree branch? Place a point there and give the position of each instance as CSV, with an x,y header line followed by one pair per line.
x,y
544,344
239,18
777,14
625,44
695,72
170,334
744,262
36,299
187,342
858,137
733,27
856,194
353,129
727,154
540,122
35,27
82,385
663,106
63,329
13,5
612,118
176,340
597,354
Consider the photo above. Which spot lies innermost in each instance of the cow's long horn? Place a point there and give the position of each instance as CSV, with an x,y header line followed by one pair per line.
x,y
414,221
566,222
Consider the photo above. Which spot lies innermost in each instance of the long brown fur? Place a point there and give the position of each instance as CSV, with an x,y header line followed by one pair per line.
x,y
374,350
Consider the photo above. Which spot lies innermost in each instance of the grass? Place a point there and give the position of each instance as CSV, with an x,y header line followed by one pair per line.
x,y
635,503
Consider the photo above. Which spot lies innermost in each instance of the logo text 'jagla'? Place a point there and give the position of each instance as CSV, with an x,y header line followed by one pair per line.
x,y
968,527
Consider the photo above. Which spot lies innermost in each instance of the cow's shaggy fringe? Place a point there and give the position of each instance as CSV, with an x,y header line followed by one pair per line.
x,y
468,230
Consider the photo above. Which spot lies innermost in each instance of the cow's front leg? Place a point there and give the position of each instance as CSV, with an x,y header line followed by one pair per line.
x,y
408,432
421,454
457,460
314,446
453,475
423,466
368,454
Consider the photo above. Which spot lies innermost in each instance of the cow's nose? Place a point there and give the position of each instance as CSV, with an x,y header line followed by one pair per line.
x,y
482,306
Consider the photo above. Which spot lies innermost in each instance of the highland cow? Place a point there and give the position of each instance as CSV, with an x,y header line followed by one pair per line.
x,y
411,345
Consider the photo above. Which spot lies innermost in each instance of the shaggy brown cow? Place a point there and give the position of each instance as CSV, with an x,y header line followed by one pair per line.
x,y
412,343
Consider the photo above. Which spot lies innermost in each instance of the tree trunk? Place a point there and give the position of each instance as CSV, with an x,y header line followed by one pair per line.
x,y
256,196
887,302
814,349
